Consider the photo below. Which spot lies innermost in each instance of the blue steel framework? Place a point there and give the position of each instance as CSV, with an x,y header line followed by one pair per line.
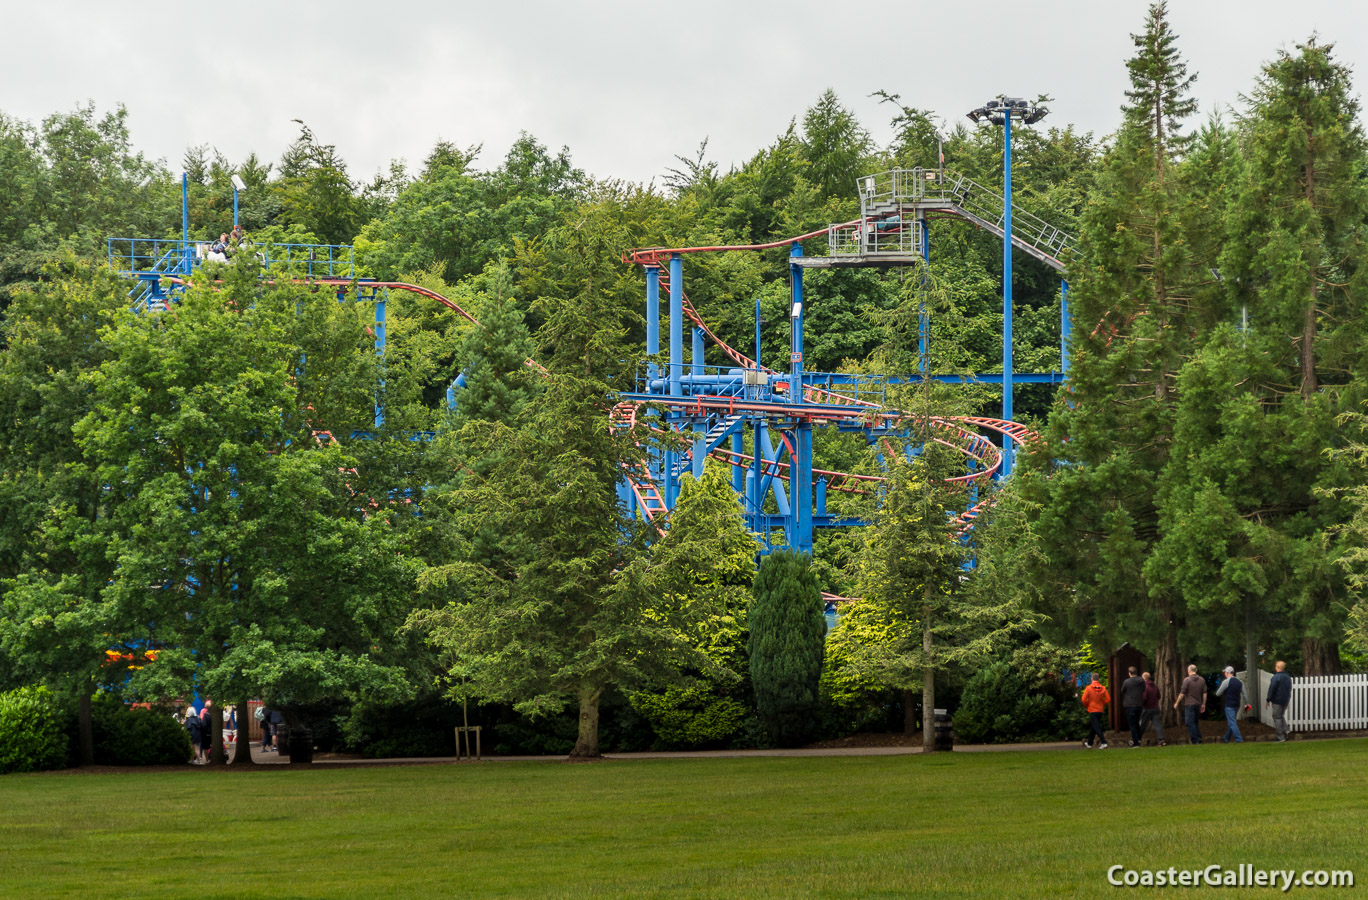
x,y
720,403
717,404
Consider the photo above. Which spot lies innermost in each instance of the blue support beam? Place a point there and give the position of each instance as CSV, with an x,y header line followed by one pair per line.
x,y
796,318
380,352
676,325
923,318
1065,326
700,429
738,446
1007,383
652,320
671,482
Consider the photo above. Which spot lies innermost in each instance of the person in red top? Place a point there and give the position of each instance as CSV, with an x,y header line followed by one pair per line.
x,y
1095,699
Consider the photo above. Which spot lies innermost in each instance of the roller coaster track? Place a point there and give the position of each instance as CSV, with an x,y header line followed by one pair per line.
x,y
825,406
958,196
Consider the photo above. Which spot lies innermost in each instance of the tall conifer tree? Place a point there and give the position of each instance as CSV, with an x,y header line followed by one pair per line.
x,y
1132,293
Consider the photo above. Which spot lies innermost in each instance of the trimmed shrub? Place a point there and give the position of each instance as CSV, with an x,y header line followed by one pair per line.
x,y
691,717
787,641
129,736
1000,706
417,728
31,738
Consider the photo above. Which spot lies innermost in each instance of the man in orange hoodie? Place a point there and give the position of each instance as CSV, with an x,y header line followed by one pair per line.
x,y
1095,699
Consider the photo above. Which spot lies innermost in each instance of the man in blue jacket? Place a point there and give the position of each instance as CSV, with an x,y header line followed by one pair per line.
x,y
1279,696
1232,689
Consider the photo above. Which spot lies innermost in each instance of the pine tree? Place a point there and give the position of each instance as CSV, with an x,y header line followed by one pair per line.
x,y
787,641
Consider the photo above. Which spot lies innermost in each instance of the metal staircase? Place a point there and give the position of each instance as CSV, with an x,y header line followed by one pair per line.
x,y
894,203
711,440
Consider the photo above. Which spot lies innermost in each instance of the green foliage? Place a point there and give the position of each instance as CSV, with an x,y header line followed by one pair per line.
x,y
706,564
787,638
131,736
1002,703
424,726
456,221
31,738
691,717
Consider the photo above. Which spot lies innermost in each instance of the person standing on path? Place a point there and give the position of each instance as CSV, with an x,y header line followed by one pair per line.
x,y
1151,712
1133,702
1279,697
195,725
1232,689
1095,699
1193,696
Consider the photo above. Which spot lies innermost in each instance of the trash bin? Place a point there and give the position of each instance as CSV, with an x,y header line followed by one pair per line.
x,y
945,731
301,745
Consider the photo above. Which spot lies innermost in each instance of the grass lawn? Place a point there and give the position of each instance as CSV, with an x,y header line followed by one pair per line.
x,y
1020,824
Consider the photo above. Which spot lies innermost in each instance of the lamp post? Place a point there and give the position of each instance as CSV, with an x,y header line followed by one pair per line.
x,y
238,185
999,112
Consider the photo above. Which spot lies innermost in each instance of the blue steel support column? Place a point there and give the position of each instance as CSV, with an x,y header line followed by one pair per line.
x,y
696,369
800,487
1065,326
800,463
676,325
738,471
923,320
796,356
1007,286
185,223
235,209
380,351
652,321
676,367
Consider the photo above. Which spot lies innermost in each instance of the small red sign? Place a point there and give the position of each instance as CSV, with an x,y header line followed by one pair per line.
x,y
795,357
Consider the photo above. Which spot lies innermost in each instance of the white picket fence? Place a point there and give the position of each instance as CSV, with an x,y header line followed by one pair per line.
x,y
1328,703
1319,702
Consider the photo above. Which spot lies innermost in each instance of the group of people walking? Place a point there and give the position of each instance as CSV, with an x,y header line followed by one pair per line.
x,y
1140,699
200,724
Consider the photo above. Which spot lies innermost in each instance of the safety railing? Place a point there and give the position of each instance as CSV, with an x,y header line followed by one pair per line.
x,y
889,201
153,256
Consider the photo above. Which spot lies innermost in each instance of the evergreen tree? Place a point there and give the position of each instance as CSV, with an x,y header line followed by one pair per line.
x,y
565,606
705,563
1131,289
1253,466
498,381
787,640
834,146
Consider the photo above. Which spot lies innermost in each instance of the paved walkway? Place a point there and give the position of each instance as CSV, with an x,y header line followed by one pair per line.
x,y
276,758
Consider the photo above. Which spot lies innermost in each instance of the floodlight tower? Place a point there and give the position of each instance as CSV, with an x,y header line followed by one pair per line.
x,y
238,185
999,112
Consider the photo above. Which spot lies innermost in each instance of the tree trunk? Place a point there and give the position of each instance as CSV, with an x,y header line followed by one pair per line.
x,y
909,711
928,688
1308,351
1320,657
216,756
1168,673
242,749
85,726
587,744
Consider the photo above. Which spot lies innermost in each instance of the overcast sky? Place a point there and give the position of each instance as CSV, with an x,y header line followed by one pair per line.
x,y
625,85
